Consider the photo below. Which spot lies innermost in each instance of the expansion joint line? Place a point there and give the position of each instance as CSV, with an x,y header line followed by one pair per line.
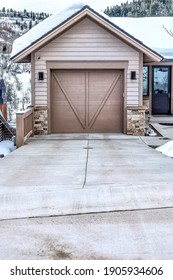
x,y
86,166
143,140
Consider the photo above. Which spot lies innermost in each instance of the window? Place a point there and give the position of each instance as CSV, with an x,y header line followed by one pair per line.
x,y
145,80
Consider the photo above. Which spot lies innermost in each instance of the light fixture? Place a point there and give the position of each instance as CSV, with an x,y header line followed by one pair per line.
x,y
133,75
40,76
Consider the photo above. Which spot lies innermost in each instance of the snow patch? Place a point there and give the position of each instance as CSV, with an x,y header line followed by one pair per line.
x,y
6,147
77,5
166,149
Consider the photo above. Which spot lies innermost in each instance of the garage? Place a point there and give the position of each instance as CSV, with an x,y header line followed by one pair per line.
x,y
86,71
86,101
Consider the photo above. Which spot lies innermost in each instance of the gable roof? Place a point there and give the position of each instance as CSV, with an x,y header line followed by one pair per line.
x,y
58,23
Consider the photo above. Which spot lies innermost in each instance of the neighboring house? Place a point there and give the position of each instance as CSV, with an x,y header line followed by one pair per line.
x,y
87,74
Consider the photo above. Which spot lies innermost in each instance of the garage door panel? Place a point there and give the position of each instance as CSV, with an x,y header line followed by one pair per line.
x,y
65,122
72,89
73,85
66,106
109,119
65,118
108,96
86,101
99,84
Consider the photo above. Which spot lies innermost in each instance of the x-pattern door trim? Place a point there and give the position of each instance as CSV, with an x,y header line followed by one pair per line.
x,y
104,101
69,101
87,124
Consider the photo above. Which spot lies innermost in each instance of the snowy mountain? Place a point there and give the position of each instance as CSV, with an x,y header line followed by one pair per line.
x,y
16,77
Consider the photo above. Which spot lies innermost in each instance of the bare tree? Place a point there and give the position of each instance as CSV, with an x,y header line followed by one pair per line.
x,y
170,32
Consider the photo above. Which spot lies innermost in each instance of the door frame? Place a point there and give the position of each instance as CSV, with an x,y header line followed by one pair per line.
x,y
102,65
169,88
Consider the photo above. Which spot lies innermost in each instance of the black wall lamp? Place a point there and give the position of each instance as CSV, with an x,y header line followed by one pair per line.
x,y
40,76
133,75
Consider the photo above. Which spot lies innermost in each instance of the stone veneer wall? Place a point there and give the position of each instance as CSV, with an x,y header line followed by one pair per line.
x,y
40,120
136,120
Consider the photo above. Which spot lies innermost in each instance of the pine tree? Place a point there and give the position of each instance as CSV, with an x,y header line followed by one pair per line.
x,y
140,8
30,24
33,16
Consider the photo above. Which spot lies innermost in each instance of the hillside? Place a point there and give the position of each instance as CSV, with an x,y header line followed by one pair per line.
x,y
141,8
16,76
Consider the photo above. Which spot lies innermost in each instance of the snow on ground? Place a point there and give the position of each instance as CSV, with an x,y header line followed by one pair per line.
x,y
25,79
166,149
18,83
6,147
24,93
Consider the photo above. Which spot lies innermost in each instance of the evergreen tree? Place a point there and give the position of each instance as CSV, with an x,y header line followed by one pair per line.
x,y
141,8
30,24
33,16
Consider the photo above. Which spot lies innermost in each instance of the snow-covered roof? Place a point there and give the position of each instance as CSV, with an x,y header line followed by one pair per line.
x,y
146,31
43,28
151,31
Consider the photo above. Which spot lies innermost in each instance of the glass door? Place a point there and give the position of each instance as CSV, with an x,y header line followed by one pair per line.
x,y
161,90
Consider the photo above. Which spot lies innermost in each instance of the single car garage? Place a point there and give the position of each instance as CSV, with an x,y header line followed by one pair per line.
x,y
86,72
86,101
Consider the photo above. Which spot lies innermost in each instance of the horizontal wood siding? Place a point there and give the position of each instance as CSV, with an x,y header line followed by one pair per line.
x,y
86,41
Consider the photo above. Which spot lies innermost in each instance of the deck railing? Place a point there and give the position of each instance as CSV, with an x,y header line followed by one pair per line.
x,y
24,126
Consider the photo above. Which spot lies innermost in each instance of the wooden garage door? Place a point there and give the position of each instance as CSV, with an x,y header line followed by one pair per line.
x,y
87,101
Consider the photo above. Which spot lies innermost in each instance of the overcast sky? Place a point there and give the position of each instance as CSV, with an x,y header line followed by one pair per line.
x,y
52,6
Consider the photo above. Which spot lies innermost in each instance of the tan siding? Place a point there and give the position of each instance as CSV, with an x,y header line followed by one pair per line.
x,y
134,102
32,79
88,56
131,90
41,100
86,41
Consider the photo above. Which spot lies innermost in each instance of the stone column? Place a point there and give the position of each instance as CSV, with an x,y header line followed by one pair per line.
x,y
40,120
136,120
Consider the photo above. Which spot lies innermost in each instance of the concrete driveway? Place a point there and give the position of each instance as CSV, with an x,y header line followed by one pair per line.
x,y
72,174
124,235
122,186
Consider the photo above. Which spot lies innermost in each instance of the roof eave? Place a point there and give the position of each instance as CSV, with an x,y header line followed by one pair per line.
x,y
130,39
58,29
87,11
